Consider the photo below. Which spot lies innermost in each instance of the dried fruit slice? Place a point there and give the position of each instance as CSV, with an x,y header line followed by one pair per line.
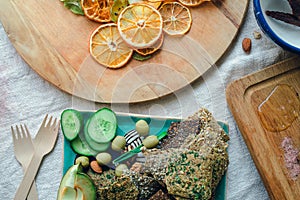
x,y
140,25
97,10
117,8
177,18
152,49
154,3
192,2
108,48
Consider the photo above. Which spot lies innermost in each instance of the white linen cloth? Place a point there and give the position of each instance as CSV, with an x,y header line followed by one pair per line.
x,y
25,98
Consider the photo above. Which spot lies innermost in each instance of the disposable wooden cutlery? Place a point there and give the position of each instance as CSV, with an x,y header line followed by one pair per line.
x,y
23,150
43,144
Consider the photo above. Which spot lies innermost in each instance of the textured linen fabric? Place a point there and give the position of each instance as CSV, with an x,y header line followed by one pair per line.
x,y
25,98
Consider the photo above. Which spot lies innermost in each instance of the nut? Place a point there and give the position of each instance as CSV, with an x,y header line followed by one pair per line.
x,y
83,160
246,44
120,169
118,143
143,149
96,167
150,141
142,127
103,158
256,35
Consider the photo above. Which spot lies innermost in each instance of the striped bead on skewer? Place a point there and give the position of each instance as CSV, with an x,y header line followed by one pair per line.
x,y
133,139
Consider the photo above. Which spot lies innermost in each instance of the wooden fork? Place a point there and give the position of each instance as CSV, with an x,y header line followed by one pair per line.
x,y
23,150
43,144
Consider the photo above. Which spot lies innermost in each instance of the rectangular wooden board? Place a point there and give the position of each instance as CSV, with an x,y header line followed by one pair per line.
x,y
244,97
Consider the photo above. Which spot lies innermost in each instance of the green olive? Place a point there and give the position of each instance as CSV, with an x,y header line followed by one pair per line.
x,y
103,158
118,143
142,127
150,141
120,169
83,160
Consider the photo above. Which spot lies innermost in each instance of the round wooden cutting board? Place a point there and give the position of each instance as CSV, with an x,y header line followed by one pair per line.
x,y
55,43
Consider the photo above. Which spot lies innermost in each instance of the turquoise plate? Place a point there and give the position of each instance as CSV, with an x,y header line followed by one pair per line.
x,y
126,122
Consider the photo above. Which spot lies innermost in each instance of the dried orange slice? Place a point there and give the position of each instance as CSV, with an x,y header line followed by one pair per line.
x,y
140,25
97,10
152,49
108,48
192,2
177,18
154,3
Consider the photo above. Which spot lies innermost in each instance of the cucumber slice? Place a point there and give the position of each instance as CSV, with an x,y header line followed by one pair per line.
x,y
102,126
99,147
71,123
81,147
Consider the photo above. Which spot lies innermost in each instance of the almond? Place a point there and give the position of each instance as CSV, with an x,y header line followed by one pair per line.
x,y
246,44
96,167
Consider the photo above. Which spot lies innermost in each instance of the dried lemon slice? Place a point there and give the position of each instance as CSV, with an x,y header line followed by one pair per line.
x,y
154,3
108,48
153,48
97,10
192,2
140,25
177,18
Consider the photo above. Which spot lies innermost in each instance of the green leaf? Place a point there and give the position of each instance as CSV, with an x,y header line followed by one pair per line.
x,y
140,57
74,6
77,10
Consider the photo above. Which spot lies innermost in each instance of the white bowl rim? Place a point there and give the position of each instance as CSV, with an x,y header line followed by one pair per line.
x,y
268,30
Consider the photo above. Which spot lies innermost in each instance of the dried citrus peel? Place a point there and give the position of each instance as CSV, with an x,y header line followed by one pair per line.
x,y
152,49
177,18
192,2
108,48
97,10
140,25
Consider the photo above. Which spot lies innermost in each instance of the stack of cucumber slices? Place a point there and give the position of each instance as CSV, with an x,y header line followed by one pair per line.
x,y
88,136
91,136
